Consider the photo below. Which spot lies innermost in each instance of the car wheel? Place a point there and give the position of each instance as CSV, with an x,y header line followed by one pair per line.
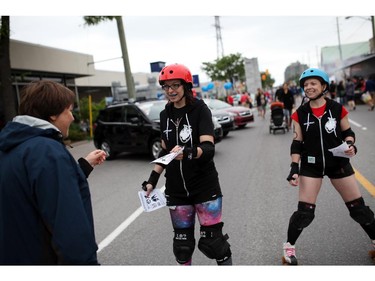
x,y
106,147
155,148
225,133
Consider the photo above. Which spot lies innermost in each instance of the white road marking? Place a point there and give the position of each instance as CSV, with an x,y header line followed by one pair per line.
x,y
113,235
357,124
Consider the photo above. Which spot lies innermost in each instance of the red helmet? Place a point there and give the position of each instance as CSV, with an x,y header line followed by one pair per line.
x,y
175,71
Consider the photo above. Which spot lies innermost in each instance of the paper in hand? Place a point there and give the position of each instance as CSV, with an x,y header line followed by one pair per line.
x,y
154,201
166,159
339,151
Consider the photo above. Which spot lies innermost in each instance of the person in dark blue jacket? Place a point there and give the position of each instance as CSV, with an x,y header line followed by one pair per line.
x,y
320,125
45,205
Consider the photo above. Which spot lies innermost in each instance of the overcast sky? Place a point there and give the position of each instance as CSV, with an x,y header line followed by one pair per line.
x,y
276,40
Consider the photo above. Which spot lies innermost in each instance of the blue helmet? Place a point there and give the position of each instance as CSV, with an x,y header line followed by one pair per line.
x,y
314,73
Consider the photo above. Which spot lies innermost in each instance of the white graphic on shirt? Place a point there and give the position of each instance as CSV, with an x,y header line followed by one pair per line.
x,y
166,132
330,126
185,134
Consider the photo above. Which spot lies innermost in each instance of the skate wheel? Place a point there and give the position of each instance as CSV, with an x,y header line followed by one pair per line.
x,y
294,261
372,254
284,261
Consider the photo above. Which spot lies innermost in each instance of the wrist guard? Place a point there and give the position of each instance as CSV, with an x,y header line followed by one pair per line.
x,y
153,180
294,169
348,133
190,152
350,144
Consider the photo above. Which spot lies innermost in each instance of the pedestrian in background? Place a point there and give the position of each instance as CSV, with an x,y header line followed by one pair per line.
x,y
286,97
349,92
370,90
341,95
46,213
261,101
192,182
332,90
320,125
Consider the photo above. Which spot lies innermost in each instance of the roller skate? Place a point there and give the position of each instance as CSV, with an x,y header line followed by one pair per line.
x,y
371,253
289,257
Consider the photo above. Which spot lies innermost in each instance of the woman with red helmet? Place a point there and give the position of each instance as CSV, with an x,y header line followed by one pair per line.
x,y
192,183
320,125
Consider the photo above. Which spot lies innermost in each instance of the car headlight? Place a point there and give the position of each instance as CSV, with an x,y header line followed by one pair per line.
x,y
215,122
231,116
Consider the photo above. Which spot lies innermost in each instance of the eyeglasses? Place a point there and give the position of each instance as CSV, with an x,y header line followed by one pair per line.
x,y
174,87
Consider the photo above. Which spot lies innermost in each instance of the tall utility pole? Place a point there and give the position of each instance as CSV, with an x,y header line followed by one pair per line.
x,y
340,49
128,73
219,40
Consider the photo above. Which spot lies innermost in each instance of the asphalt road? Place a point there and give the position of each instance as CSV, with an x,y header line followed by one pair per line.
x,y
257,204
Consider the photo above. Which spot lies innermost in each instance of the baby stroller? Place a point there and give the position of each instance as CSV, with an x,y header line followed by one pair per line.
x,y
278,118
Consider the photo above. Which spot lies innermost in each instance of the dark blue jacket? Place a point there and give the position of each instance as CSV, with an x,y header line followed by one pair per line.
x,y
45,205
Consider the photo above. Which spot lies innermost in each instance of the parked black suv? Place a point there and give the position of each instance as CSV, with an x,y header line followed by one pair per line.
x,y
125,127
133,127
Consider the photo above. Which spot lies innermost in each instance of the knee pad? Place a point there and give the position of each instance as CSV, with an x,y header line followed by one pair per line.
x,y
360,212
183,244
213,243
303,216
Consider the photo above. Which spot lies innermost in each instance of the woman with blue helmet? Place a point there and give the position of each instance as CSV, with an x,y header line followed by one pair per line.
x,y
320,125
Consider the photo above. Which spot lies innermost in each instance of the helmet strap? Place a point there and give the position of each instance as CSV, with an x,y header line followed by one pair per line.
x,y
318,96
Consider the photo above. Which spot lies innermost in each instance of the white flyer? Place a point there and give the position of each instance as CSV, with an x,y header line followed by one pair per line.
x,y
166,159
339,151
154,201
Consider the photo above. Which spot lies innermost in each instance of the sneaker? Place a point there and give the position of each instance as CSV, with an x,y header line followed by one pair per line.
x,y
289,254
372,252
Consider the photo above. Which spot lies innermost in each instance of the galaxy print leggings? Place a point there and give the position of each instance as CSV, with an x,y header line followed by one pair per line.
x,y
209,213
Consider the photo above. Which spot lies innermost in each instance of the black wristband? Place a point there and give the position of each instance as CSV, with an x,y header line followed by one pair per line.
x,y
190,152
294,169
153,180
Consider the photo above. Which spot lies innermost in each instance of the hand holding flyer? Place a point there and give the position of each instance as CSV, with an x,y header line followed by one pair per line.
x,y
166,159
154,201
339,151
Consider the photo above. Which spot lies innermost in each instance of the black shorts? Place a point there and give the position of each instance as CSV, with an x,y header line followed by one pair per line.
x,y
336,172
194,198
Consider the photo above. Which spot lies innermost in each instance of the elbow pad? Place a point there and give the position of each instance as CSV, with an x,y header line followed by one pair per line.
x,y
208,149
348,133
296,147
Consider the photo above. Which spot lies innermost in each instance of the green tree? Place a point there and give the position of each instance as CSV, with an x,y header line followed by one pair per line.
x,y
267,80
8,106
231,67
95,108
95,20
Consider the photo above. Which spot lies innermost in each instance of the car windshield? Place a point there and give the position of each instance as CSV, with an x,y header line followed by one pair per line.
x,y
152,109
216,104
